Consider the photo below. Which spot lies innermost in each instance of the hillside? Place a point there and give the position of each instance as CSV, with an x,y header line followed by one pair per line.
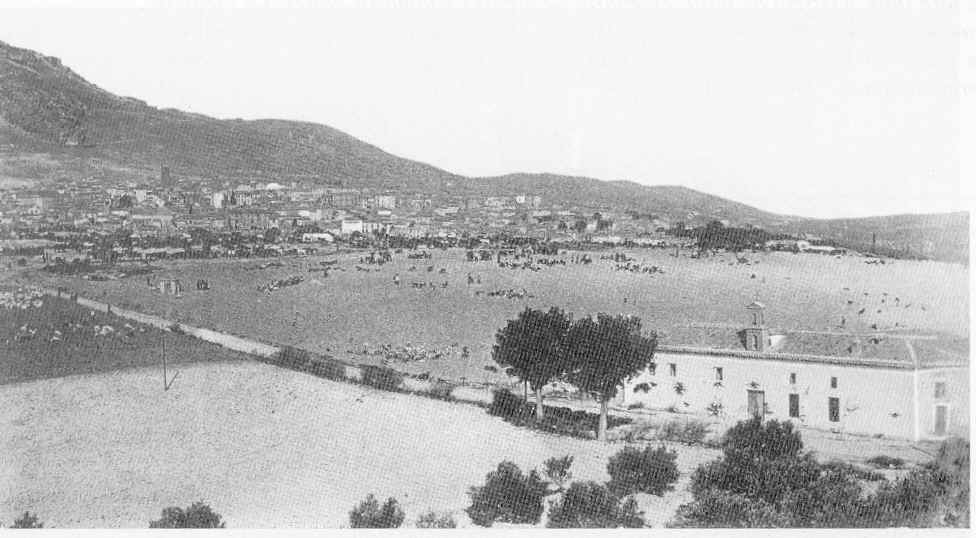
x,y
55,125
47,108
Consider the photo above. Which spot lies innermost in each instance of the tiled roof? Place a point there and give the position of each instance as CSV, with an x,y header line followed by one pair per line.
x,y
906,349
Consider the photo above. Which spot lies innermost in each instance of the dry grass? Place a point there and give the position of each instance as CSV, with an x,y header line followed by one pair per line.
x,y
347,309
266,447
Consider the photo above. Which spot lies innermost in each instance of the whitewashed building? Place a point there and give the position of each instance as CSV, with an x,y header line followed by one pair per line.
x,y
895,385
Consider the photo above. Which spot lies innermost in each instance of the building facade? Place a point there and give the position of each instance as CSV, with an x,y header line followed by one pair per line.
x,y
913,396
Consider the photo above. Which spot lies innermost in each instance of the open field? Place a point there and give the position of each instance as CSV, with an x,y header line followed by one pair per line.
x,y
342,312
263,445
59,338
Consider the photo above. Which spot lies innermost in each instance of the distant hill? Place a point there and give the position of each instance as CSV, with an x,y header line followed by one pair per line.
x,y
943,236
55,125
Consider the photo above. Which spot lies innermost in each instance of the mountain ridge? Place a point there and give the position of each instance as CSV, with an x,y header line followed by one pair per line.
x,y
49,110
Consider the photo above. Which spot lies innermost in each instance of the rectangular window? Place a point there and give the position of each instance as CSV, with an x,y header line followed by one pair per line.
x,y
792,379
718,374
940,390
833,409
833,382
652,369
795,405
674,369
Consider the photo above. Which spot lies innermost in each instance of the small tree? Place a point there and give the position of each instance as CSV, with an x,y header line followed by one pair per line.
x,y
604,353
507,496
197,516
591,505
531,348
370,515
27,521
650,470
557,470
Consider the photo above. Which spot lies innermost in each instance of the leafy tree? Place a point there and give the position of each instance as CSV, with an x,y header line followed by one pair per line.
x,y
605,352
531,347
370,515
650,470
592,505
580,225
197,516
507,496
27,521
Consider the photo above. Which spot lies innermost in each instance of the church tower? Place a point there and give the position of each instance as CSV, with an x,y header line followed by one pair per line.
x,y
757,335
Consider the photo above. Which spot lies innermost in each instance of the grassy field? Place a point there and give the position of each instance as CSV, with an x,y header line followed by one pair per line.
x,y
59,338
266,447
348,309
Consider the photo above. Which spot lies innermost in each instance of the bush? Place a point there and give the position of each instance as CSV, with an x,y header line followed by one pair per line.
x,y
197,516
557,470
591,505
382,378
329,369
431,520
441,390
176,328
650,470
714,508
293,357
557,420
887,462
370,515
505,404
507,496
27,521
690,432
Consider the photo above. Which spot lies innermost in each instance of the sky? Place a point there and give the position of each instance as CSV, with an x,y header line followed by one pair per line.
x,y
801,108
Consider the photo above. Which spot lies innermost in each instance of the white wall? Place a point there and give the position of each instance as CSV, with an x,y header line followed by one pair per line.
x,y
872,400
956,397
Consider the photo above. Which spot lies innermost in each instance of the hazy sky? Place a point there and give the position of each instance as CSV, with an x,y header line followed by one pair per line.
x,y
814,111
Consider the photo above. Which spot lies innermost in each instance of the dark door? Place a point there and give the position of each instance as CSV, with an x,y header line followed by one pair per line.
x,y
833,409
941,418
757,403
795,405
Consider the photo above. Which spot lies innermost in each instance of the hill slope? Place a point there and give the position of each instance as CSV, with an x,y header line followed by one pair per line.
x,y
55,125
46,107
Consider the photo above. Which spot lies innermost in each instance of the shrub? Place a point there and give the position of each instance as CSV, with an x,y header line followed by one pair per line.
x,y
329,369
642,387
887,462
557,470
197,516
557,420
431,520
715,409
441,390
293,357
507,496
690,432
27,521
722,509
591,505
370,515
506,404
636,405
176,328
650,470
382,378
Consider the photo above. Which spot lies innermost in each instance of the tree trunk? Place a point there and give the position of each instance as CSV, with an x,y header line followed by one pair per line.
x,y
525,391
601,433
538,403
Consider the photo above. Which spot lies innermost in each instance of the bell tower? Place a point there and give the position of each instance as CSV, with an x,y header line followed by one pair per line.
x,y
757,335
